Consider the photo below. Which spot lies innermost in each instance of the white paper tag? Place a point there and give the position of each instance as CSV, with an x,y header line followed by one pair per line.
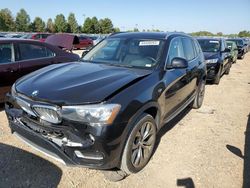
x,y
214,41
149,43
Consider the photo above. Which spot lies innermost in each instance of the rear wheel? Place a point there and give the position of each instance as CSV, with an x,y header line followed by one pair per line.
x,y
140,145
199,95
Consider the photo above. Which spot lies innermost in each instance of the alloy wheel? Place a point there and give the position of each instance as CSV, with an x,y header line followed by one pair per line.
x,y
143,144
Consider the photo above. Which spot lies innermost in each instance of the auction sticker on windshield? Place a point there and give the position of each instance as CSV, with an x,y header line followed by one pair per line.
x,y
149,43
214,41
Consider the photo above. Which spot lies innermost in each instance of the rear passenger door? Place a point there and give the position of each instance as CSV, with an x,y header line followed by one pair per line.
x,y
34,56
8,67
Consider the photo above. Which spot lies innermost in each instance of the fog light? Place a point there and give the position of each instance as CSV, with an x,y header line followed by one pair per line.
x,y
95,156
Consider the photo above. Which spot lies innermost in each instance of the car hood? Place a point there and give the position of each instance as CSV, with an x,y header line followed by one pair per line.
x,y
211,55
78,83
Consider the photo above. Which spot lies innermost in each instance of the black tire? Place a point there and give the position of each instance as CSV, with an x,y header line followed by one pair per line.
x,y
217,77
199,95
228,68
135,157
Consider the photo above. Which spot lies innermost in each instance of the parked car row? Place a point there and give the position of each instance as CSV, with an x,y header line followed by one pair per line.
x,y
105,110
86,41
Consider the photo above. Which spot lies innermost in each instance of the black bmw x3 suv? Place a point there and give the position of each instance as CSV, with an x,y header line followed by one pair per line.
x,y
105,111
217,57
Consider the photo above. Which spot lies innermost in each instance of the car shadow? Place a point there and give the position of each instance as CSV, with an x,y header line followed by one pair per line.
x,y
186,183
19,168
1,107
245,156
168,126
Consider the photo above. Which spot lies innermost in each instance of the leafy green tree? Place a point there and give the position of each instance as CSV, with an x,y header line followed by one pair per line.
x,y
106,25
91,25
6,20
50,26
244,33
72,24
219,34
116,29
135,30
22,21
202,33
38,25
60,23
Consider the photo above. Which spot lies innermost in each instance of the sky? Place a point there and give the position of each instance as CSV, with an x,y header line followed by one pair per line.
x,y
227,16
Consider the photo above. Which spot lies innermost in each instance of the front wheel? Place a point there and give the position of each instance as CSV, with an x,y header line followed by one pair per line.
x,y
140,145
228,68
199,95
218,76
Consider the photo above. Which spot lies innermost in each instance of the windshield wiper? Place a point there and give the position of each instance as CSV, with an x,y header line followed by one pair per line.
x,y
119,65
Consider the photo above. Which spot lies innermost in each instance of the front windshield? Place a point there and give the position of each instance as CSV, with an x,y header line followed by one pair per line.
x,y
209,45
141,53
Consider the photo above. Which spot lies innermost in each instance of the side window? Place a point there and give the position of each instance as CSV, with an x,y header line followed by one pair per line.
x,y
175,49
31,51
6,53
188,48
197,47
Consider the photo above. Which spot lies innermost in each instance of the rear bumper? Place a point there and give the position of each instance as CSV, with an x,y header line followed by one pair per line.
x,y
98,151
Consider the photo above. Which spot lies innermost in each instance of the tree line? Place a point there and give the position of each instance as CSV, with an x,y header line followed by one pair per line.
x,y
23,23
207,33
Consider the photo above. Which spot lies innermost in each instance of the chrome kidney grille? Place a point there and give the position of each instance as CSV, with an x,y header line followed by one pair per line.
x,y
47,113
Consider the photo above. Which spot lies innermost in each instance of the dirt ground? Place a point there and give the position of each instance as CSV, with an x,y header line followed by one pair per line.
x,y
209,147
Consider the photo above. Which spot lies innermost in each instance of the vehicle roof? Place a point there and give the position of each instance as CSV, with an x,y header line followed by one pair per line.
x,y
210,38
234,39
149,35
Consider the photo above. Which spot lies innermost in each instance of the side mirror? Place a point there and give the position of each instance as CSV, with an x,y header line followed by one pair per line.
x,y
179,63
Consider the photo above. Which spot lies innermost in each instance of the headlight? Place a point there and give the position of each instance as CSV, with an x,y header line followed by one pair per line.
x,y
211,61
93,114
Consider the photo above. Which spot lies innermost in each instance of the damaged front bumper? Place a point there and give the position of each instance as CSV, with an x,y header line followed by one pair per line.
x,y
70,142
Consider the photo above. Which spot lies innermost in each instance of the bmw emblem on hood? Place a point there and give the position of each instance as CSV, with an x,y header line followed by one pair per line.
x,y
35,93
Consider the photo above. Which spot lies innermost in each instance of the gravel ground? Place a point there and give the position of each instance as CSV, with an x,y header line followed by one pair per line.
x,y
208,147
